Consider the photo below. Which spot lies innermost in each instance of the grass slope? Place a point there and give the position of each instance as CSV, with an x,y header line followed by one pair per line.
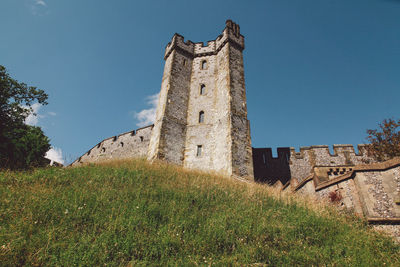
x,y
133,213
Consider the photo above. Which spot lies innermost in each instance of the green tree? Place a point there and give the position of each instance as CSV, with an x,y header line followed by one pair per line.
x,y
21,145
384,143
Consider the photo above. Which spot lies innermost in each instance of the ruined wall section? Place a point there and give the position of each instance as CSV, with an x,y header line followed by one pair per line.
x,y
168,140
133,144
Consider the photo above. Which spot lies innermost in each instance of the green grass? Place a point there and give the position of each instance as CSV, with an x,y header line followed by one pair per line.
x,y
133,213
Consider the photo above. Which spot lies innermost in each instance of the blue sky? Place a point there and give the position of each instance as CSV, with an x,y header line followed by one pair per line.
x,y
317,71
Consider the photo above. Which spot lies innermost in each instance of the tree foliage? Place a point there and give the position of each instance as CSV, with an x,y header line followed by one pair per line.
x,y
21,145
384,143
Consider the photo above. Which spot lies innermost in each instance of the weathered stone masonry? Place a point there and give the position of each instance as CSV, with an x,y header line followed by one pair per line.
x,y
126,145
201,120
296,166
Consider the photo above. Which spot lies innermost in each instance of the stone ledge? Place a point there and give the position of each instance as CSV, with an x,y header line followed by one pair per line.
x,y
380,166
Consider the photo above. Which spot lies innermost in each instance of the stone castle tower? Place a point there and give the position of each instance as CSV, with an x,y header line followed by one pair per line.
x,y
201,119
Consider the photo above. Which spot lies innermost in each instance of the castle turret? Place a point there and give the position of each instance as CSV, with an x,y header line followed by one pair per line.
x,y
201,119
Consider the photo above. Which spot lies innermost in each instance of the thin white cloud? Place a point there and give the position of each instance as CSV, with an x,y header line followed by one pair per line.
x,y
40,3
38,7
33,117
147,116
55,155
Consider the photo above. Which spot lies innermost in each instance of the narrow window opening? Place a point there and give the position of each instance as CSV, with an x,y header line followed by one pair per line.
x,y
203,64
133,133
201,117
88,153
199,150
141,139
202,89
122,144
103,150
184,62
98,145
115,138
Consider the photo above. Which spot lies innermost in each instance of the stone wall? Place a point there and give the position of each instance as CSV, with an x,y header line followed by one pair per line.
x,y
301,164
371,190
168,139
222,154
379,191
201,101
268,169
242,160
131,144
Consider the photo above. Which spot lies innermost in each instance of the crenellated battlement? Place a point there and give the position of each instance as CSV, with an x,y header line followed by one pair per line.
x,y
178,43
323,150
201,49
230,34
301,164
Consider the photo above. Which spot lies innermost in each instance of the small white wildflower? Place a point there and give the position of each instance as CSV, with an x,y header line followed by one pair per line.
x,y
66,211
79,208
137,207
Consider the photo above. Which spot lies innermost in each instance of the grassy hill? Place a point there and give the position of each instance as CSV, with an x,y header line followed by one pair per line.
x,y
132,213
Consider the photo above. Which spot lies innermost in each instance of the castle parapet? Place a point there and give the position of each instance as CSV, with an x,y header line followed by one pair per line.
x,y
132,144
178,43
230,34
201,50
300,154
302,163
